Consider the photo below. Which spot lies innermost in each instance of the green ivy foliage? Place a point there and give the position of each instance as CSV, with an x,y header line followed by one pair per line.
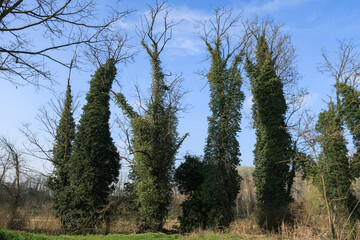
x,y
334,163
59,182
155,142
211,197
189,177
273,149
222,151
95,163
350,110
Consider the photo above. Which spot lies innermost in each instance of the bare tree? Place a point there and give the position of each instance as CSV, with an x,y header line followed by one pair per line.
x,y
345,66
34,32
151,36
11,165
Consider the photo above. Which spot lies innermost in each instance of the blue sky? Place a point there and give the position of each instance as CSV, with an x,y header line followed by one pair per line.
x,y
313,25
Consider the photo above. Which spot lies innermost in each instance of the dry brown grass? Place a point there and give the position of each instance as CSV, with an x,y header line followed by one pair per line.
x,y
248,228
30,220
127,226
237,229
308,211
245,226
5,217
13,220
48,225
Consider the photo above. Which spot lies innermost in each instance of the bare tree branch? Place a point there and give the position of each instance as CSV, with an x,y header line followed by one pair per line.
x,y
280,46
25,57
151,36
345,67
215,32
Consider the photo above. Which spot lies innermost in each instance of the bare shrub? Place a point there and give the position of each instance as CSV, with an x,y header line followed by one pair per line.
x,y
246,201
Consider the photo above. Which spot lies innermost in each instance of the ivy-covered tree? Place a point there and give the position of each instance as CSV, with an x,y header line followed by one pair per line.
x,y
59,181
345,70
350,110
211,205
273,148
338,169
95,162
334,164
155,140
222,151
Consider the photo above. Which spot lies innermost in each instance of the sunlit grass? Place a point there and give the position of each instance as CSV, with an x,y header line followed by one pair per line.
x,y
10,235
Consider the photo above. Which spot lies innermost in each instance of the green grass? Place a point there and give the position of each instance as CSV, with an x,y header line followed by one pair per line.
x,y
9,235
215,237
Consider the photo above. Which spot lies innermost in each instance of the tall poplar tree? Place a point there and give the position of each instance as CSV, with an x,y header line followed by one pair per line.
x,y
59,182
155,140
273,148
95,163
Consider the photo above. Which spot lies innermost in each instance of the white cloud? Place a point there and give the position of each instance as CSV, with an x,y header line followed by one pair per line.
x,y
187,15
185,41
125,25
185,45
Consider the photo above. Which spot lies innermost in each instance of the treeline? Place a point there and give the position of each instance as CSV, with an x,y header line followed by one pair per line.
x,y
288,141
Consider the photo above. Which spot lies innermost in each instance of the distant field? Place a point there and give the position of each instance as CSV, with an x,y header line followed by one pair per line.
x,y
8,235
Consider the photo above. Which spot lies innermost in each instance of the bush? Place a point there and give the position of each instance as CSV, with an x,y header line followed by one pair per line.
x,y
189,176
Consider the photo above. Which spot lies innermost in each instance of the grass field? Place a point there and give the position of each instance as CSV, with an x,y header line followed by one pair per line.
x,y
9,235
